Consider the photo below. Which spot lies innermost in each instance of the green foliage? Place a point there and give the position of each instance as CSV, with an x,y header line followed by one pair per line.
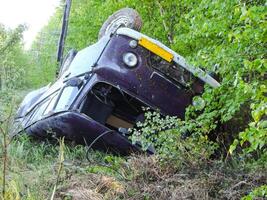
x,y
257,193
171,140
256,133
106,165
13,59
230,36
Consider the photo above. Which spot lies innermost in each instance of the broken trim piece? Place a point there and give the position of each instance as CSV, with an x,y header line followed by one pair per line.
x,y
176,57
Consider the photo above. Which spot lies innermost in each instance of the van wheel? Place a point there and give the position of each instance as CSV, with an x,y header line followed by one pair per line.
x,y
125,17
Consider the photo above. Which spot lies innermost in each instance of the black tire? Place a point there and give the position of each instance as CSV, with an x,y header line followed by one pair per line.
x,y
125,17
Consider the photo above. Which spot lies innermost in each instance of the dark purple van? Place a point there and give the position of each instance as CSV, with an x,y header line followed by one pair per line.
x,y
101,90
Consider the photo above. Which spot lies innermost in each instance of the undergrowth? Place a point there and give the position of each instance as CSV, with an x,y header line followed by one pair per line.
x,y
33,171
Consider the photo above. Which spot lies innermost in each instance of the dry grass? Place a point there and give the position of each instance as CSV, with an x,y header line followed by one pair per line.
x,y
92,187
150,180
158,182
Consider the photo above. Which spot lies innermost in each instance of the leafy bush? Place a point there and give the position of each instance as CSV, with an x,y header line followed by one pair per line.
x,y
171,140
256,193
13,58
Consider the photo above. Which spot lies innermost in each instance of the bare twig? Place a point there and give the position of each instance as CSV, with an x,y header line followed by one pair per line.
x,y
239,184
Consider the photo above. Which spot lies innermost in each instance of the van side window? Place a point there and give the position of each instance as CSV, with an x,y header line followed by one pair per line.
x,y
51,104
66,98
39,111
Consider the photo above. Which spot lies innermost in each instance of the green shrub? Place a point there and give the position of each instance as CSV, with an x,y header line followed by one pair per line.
x,y
172,141
257,193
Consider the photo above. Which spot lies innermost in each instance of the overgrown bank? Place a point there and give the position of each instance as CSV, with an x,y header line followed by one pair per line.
x,y
33,171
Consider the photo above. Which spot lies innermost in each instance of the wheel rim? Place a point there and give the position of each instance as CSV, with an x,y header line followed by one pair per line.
x,y
118,22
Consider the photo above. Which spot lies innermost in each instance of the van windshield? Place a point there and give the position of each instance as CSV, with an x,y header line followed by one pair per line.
x,y
87,58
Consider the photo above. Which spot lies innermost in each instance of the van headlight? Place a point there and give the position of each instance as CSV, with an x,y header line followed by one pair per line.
x,y
130,59
198,102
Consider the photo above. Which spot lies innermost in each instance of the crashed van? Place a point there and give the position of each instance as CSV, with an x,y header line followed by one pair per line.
x,y
102,90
